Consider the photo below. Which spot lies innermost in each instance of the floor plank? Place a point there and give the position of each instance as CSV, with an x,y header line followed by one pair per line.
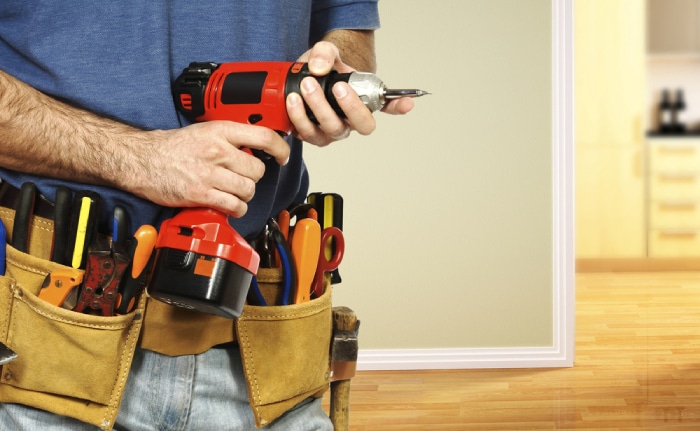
x,y
637,367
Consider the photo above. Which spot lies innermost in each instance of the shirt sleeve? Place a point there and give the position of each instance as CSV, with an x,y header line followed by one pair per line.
x,y
329,15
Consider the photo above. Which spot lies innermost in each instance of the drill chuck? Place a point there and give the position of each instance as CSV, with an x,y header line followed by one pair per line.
x,y
370,88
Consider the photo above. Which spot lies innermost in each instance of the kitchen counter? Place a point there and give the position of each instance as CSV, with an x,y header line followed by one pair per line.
x,y
689,134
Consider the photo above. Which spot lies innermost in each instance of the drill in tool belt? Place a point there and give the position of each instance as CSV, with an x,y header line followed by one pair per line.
x,y
202,263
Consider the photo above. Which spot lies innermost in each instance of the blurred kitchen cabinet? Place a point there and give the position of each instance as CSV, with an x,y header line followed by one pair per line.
x,y
609,202
674,197
610,78
674,27
610,88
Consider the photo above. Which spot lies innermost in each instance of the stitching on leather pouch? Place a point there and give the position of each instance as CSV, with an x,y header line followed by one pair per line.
x,y
252,363
279,316
39,224
311,311
43,225
118,382
71,322
19,265
8,308
121,380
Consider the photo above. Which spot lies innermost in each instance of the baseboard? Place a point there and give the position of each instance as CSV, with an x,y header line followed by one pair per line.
x,y
462,358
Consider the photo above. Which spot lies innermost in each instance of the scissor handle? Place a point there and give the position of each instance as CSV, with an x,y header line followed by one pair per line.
x,y
331,264
327,265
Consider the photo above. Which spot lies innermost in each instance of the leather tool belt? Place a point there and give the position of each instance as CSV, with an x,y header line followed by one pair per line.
x,y
54,344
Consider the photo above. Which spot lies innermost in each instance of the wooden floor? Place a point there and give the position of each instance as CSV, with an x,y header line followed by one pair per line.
x,y
637,367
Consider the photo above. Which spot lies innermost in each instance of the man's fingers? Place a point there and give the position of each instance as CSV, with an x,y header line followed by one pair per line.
x,y
322,57
400,106
359,118
259,138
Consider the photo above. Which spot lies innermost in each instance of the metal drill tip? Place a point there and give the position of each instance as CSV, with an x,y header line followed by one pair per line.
x,y
396,93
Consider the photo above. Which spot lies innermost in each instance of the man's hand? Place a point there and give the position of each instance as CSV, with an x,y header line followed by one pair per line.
x,y
322,58
203,165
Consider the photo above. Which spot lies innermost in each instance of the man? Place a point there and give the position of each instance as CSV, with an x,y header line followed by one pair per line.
x,y
85,103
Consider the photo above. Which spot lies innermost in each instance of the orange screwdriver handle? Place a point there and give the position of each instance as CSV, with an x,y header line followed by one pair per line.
x,y
141,254
306,246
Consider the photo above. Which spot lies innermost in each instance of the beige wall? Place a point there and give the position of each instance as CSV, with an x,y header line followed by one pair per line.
x,y
448,212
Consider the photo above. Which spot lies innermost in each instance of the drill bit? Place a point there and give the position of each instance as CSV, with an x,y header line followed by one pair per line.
x,y
397,93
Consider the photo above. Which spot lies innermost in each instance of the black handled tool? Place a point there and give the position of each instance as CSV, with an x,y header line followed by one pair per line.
x,y
61,225
23,217
135,277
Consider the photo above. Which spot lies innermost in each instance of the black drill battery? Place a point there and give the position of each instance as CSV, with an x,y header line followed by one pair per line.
x,y
203,264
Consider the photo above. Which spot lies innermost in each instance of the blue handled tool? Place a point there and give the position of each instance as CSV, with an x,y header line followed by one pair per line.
x,y
120,226
3,243
286,262
288,267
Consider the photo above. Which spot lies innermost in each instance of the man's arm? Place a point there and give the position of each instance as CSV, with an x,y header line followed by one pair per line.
x,y
198,165
355,47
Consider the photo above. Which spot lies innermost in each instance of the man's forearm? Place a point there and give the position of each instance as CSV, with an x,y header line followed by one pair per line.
x,y
43,136
356,48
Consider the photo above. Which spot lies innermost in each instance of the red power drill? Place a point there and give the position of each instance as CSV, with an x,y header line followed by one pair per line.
x,y
202,263
255,92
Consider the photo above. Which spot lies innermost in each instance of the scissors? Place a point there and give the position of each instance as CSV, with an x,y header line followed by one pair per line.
x,y
328,264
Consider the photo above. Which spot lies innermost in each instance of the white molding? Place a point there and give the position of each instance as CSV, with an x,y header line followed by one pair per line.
x,y
561,354
563,190
462,358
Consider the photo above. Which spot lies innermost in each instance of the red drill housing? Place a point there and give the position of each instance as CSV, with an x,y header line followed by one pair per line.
x,y
248,92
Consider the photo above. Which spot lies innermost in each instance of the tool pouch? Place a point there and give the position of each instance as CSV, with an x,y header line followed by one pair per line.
x,y
285,349
68,363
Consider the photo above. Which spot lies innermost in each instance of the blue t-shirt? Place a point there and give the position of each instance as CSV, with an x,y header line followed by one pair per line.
x,y
118,59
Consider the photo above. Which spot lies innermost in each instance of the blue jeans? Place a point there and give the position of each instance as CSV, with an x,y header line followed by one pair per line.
x,y
193,392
